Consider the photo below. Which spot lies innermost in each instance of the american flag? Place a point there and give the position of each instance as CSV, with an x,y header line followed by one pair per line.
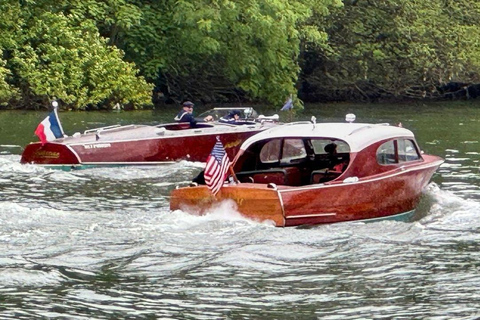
x,y
216,168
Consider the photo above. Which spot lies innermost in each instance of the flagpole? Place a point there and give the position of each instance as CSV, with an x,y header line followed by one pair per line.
x,y
55,107
233,173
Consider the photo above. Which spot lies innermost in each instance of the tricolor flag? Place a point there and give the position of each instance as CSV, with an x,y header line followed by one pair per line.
x,y
50,128
216,168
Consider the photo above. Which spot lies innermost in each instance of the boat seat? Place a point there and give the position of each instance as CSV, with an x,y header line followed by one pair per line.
x,y
293,176
280,176
276,176
323,175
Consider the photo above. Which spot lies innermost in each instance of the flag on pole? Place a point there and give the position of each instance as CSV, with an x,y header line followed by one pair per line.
x,y
217,167
288,104
50,128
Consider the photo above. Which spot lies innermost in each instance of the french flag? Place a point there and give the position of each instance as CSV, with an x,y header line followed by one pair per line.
x,y
50,128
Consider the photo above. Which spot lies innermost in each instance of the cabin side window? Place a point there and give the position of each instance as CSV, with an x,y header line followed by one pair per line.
x,y
319,146
293,151
386,153
407,151
396,151
290,151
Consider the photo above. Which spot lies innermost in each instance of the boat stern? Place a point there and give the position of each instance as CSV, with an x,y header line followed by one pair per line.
x,y
255,202
49,154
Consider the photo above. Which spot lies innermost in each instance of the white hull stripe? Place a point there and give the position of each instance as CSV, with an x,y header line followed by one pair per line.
x,y
328,214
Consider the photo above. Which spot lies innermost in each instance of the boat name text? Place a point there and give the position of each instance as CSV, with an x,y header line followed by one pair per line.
x,y
97,146
46,154
232,144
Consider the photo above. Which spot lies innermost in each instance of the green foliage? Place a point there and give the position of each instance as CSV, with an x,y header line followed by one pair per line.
x,y
103,52
52,55
402,47
246,44
8,25
7,92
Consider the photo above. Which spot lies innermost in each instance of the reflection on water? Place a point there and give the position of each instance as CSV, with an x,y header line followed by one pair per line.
x,y
102,244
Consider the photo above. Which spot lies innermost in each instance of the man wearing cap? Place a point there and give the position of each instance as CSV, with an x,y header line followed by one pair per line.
x,y
185,115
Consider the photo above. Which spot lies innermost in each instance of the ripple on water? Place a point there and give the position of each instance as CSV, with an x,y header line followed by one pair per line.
x,y
29,276
102,244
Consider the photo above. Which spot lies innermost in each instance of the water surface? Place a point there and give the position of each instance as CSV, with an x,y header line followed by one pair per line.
x,y
102,243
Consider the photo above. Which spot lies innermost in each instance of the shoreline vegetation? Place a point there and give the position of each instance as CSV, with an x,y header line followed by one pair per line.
x,y
119,54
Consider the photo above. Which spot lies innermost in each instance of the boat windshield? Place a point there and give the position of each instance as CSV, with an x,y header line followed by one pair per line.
x,y
217,113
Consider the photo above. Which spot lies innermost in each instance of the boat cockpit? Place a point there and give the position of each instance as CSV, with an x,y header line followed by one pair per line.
x,y
293,161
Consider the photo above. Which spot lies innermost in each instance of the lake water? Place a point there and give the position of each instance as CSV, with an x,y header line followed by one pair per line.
x,y
103,244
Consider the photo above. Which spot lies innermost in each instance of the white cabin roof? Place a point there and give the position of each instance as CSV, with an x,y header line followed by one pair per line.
x,y
356,135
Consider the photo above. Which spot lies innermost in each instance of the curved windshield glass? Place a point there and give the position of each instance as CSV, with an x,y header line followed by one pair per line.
x,y
217,113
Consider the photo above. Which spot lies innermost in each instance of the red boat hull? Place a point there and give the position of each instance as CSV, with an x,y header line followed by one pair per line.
x,y
377,197
134,151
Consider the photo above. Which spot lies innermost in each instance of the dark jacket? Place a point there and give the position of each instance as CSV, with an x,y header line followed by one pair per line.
x,y
184,116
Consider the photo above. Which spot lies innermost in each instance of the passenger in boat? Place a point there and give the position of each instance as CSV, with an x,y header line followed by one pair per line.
x,y
186,114
231,117
335,164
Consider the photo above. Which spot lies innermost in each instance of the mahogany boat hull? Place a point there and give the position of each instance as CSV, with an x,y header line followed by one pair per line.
x,y
136,146
384,196
308,174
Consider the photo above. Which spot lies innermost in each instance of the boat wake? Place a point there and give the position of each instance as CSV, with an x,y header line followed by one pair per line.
x,y
450,212
225,212
98,237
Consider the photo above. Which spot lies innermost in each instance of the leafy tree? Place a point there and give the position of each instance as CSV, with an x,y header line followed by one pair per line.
x,y
399,48
205,47
7,24
7,92
51,54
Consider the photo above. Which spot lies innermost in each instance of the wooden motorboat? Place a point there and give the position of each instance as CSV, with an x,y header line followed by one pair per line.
x,y
145,144
294,175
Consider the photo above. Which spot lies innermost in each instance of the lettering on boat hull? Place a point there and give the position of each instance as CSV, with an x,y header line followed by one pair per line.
x,y
233,144
42,154
97,146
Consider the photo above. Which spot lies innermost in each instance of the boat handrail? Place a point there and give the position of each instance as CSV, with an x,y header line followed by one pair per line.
x,y
106,128
369,126
297,122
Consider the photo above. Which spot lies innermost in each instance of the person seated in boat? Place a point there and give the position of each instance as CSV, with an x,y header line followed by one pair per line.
x,y
335,164
186,115
231,117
